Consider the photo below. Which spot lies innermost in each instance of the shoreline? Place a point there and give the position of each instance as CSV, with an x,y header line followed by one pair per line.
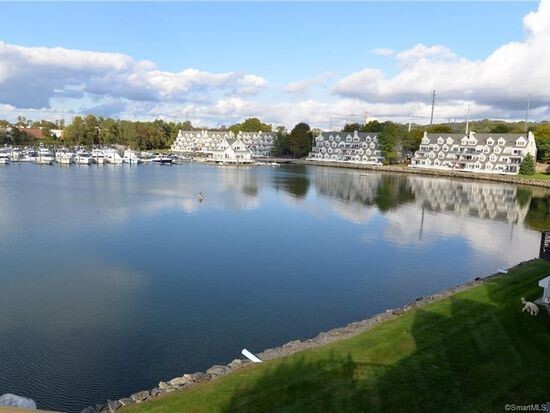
x,y
336,334
511,179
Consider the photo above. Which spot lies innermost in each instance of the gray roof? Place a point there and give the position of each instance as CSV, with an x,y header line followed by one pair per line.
x,y
509,138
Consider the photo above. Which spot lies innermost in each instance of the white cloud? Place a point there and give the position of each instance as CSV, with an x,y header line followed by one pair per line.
x,y
302,86
31,76
502,80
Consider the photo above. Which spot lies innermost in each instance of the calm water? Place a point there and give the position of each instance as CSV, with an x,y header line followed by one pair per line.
x,y
113,278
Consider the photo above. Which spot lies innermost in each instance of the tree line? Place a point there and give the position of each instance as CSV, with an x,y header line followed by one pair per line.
x,y
396,141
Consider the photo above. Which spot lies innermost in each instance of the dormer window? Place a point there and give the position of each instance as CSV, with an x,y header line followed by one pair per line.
x,y
521,141
464,141
486,149
501,142
440,140
449,141
425,141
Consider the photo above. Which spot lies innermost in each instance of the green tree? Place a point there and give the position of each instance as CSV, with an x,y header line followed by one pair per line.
x,y
501,128
373,126
250,125
389,139
300,140
542,138
352,127
442,128
281,145
527,166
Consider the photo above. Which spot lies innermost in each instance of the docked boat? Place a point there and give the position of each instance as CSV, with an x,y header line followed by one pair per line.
x,y
15,154
4,158
162,159
84,158
65,157
112,156
45,157
29,155
99,156
130,157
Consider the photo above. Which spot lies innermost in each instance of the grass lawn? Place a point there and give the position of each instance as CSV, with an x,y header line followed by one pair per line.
x,y
473,352
542,176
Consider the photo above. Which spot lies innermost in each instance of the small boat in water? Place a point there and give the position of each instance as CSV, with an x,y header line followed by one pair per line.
x,y
45,157
4,158
64,157
162,159
130,157
99,156
84,158
112,156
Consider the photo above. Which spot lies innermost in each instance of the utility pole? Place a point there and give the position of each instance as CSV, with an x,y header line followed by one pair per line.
x,y
468,120
410,120
433,106
527,113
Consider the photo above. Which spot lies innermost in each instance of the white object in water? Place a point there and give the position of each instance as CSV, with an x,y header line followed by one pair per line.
x,y
250,356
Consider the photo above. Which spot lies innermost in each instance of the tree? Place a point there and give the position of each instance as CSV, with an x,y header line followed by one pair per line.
x,y
373,126
412,139
440,129
389,139
542,138
281,145
300,140
352,127
501,128
527,166
250,125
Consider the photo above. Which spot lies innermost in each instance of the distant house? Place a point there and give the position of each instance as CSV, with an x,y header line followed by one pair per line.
x,y
234,151
356,147
475,152
206,142
58,133
37,133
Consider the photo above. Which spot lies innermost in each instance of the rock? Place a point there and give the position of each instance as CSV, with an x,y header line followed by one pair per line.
x,y
163,385
140,396
155,392
89,409
126,401
217,370
235,364
12,400
181,381
200,377
113,405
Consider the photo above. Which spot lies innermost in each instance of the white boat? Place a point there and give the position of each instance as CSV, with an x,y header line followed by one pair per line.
x,y
15,154
112,156
99,156
84,158
65,157
4,158
45,157
162,159
130,157
29,155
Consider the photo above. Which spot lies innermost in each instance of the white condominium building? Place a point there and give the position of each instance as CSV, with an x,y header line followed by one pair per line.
x,y
351,147
475,152
206,142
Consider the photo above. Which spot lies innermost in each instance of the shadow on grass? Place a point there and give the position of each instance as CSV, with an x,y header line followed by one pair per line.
x,y
468,356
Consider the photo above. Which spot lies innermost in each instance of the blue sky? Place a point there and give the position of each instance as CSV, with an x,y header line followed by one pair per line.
x,y
277,42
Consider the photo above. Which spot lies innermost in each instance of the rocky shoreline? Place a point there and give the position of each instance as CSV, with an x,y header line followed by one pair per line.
x,y
510,179
189,380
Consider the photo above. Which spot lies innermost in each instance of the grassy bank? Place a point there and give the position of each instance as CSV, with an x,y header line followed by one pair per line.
x,y
472,352
541,176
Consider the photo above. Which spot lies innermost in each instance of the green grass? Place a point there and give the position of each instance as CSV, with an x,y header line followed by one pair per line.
x,y
473,352
541,176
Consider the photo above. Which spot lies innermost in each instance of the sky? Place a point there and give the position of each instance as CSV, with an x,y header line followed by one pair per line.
x,y
323,63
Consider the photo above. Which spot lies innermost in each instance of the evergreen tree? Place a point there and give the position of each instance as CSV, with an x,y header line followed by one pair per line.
x,y
527,166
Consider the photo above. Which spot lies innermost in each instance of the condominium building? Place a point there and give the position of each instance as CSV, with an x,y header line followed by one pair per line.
x,y
232,151
475,152
206,142
356,147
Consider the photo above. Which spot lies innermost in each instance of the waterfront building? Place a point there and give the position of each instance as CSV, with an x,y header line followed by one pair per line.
x,y
350,147
205,142
475,152
232,150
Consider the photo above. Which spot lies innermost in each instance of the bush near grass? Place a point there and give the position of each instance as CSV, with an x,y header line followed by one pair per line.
x,y
527,166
